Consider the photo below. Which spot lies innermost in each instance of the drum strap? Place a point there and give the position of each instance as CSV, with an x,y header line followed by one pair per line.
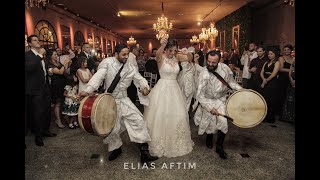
x,y
221,79
115,81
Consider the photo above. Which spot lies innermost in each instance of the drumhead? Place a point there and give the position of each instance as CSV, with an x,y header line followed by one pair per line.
x,y
104,114
247,108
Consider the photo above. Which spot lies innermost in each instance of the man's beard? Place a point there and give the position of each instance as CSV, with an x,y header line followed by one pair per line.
x,y
212,68
123,61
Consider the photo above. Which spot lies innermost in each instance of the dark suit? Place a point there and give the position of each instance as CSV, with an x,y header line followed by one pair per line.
x,y
235,60
90,61
152,66
37,94
201,57
255,80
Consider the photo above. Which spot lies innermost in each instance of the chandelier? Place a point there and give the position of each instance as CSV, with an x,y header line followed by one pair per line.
x,y
162,27
212,31
194,39
204,35
289,2
35,3
131,41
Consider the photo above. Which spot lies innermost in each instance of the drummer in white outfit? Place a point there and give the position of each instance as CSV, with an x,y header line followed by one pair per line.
x,y
128,116
212,95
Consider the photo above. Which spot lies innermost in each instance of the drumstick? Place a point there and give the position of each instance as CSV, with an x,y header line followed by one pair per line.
x,y
229,118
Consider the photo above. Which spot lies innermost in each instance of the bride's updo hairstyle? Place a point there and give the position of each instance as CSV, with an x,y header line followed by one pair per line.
x,y
171,43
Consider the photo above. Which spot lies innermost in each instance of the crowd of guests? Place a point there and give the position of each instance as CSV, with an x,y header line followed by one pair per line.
x,y
53,79
268,72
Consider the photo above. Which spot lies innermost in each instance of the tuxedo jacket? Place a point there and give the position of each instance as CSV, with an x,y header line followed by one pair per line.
x,y
35,81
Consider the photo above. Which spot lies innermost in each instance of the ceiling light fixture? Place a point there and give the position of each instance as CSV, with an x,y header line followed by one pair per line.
x,y
162,27
131,41
35,3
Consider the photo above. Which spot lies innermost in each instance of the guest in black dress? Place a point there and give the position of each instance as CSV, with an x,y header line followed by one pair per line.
x,y
269,84
56,72
285,62
288,114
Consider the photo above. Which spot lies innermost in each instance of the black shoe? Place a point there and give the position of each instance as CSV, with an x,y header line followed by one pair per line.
x,y
219,145
146,157
39,141
115,153
145,154
49,134
220,151
209,142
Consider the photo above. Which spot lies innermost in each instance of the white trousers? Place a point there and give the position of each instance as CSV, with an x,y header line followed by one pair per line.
x,y
128,118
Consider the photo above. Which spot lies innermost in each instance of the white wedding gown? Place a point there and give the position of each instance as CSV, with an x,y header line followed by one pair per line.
x,y
166,116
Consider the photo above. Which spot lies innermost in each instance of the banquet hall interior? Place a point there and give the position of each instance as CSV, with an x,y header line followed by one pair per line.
x,y
236,29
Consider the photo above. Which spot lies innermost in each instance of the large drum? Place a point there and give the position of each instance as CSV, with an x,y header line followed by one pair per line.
x,y
97,114
246,107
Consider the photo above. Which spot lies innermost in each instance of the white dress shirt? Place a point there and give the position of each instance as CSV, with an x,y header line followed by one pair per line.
x,y
245,61
42,62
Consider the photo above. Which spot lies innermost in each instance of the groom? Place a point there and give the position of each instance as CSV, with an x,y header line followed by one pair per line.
x,y
128,116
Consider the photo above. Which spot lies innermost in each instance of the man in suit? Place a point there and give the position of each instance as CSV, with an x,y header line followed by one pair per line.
x,y
152,65
37,91
86,52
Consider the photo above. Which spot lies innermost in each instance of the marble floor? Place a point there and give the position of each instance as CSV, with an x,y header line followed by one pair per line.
x,y
74,154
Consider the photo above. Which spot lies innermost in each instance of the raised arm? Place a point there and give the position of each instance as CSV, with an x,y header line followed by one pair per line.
x,y
71,54
196,63
243,57
159,54
184,57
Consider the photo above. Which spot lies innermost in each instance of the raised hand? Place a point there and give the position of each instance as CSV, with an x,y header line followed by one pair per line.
x,y
42,51
196,58
164,41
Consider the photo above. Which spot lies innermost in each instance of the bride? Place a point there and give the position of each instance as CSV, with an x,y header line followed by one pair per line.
x,y
166,115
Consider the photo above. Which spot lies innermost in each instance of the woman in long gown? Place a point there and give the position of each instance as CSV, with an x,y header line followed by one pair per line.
x,y
166,115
